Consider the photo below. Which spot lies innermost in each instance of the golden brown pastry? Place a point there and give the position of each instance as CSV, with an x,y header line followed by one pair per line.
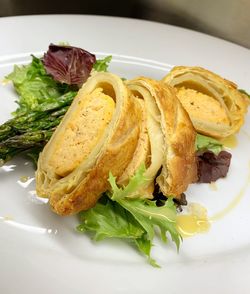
x,y
168,149
214,104
142,152
98,135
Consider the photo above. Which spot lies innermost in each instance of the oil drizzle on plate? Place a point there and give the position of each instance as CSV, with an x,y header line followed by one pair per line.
x,y
196,221
234,202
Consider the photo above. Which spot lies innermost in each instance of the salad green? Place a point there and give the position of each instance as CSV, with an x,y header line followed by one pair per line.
x,y
34,86
205,143
102,64
118,215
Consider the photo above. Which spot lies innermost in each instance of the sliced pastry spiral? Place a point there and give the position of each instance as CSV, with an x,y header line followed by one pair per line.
x,y
214,104
98,135
167,138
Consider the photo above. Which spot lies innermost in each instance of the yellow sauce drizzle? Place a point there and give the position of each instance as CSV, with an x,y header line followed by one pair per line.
x,y
234,202
230,141
196,221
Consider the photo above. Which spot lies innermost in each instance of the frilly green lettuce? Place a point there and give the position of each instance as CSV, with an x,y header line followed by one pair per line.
x,y
118,216
205,143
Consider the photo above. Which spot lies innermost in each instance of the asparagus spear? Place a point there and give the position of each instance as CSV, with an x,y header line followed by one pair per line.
x,y
19,143
34,129
45,116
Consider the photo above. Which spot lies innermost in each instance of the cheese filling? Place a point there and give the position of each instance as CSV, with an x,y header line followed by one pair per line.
x,y
202,106
93,114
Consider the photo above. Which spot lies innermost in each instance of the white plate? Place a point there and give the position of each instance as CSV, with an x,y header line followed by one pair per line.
x,y
41,253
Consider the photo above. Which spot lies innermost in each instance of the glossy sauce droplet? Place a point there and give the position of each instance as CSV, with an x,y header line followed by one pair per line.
x,y
230,142
24,179
195,222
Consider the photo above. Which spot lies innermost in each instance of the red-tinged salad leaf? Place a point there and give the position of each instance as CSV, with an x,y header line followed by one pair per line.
x,y
68,64
211,167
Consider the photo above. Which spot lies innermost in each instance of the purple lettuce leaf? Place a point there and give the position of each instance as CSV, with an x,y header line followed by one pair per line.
x,y
67,64
211,167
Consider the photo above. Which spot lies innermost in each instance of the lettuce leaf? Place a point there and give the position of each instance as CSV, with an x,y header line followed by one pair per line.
x,y
102,64
117,215
212,161
205,143
67,64
34,86
109,220
146,212
212,167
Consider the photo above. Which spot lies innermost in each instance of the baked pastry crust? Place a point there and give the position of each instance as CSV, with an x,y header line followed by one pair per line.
x,y
81,188
214,104
171,137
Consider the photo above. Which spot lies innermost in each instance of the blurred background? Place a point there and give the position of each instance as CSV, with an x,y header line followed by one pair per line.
x,y
227,19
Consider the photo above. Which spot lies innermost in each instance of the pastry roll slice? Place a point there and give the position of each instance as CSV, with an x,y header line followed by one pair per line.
x,y
169,147
142,151
98,135
214,104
